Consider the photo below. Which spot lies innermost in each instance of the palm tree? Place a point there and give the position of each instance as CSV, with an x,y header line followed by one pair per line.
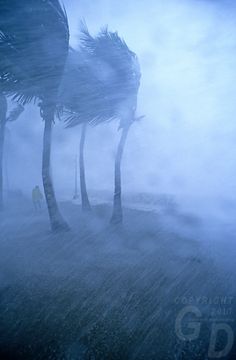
x,y
103,79
78,88
13,115
34,41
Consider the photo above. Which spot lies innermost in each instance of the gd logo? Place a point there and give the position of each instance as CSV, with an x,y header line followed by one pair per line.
x,y
195,327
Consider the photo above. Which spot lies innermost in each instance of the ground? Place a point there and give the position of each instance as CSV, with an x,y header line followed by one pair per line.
x,y
104,292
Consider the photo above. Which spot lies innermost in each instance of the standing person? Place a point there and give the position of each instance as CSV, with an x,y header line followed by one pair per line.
x,y
37,197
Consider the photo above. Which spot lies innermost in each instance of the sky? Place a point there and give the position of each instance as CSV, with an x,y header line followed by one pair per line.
x,y
185,144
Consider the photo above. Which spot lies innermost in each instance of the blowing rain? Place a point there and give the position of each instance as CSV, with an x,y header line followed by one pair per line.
x,y
117,180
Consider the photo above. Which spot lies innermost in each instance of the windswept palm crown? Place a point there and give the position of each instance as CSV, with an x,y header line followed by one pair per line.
x,y
101,80
34,40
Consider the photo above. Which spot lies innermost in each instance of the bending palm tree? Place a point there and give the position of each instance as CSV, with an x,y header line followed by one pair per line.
x,y
103,80
77,89
34,39
14,114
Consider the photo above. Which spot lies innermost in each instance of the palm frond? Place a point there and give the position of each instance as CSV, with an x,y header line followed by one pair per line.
x,y
86,40
15,113
101,80
34,37
3,108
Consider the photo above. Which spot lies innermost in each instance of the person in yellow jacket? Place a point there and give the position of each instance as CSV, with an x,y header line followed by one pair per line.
x,y
37,197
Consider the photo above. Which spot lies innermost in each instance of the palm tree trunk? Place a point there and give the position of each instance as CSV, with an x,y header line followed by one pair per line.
x,y
3,120
84,195
56,219
2,135
117,215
